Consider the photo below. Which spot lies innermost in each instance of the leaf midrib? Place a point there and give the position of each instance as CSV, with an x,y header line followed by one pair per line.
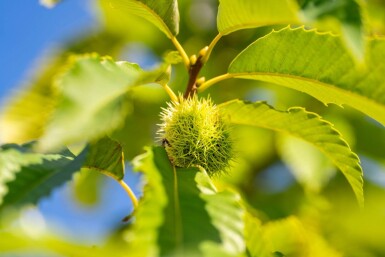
x,y
364,101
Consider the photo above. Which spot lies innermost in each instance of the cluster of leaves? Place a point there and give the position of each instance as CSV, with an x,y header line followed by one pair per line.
x,y
104,110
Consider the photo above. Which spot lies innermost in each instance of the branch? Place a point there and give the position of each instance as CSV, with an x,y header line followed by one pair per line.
x,y
195,68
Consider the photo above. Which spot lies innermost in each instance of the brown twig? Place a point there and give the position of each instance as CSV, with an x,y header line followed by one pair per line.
x,y
194,70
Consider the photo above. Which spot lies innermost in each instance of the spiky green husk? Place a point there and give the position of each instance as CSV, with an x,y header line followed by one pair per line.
x,y
195,134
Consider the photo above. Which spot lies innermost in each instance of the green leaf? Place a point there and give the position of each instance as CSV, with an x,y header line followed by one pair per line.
x,y
86,187
305,125
19,243
172,57
255,242
160,75
290,237
243,14
181,213
309,166
26,176
93,100
285,237
162,13
106,156
23,117
347,13
26,112
318,65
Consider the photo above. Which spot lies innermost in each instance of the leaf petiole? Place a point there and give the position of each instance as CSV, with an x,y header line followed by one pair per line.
x,y
211,47
213,81
182,52
171,93
131,194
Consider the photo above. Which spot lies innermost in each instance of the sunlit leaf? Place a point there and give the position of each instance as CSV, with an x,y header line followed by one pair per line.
x,y
318,65
162,13
175,201
346,12
139,126
285,237
255,241
243,14
304,125
291,237
26,112
106,156
18,243
172,57
93,100
160,75
86,187
309,166
26,176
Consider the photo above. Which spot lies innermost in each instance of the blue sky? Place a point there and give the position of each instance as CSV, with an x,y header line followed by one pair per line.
x,y
27,32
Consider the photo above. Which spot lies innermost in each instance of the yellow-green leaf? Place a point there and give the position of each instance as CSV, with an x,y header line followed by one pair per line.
x,y
106,156
181,212
162,13
305,125
243,14
93,100
318,65
26,176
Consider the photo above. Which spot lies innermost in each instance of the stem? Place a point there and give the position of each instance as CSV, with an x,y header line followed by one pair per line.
x,y
129,192
181,51
211,47
213,81
171,93
193,75
196,65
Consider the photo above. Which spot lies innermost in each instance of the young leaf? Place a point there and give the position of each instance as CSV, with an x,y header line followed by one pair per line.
x,y
106,156
26,176
243,14
318,65
305,125
189,212
93,100
162,13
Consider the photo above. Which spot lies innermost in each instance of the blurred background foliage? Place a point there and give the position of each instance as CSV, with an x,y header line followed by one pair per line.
x,y
285,179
